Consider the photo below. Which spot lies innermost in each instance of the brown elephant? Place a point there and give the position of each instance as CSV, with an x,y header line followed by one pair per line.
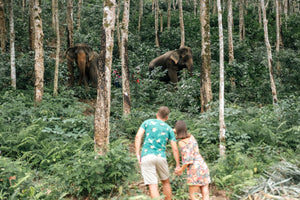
x,y
86,61
174,61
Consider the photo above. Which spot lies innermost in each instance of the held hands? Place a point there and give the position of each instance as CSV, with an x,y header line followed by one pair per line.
x,y
178,171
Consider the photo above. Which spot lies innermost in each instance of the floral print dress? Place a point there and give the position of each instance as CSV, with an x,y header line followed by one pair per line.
x,y
197,170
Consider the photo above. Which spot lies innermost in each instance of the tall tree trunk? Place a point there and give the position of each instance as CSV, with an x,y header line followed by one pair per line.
x,y
124,60
102,111
169,14
241,20
205,90
39,53
161,22
278,31
230,28
31,25
70,40
269,52
140,14
156,24
221,92
12,45
53,13
259,14
181,23
56,16
2,26
79,13
118,28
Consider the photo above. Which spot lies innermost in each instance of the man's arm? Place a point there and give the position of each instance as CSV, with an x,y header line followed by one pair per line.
x,y
138,140
175,153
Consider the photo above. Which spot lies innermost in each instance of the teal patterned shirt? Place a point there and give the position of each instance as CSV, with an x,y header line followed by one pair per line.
x,y
157,134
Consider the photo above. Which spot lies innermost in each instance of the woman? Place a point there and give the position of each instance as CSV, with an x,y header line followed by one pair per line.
x,y
197,170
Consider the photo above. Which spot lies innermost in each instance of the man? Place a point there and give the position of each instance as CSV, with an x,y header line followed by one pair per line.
x,y
153,159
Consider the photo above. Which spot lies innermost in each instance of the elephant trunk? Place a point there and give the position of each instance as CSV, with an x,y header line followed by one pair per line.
x,y
81,62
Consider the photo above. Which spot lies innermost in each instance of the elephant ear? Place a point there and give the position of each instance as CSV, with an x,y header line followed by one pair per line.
x,y
175,57
70,54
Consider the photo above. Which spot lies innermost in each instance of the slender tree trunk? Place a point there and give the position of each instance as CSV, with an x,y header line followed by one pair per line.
x,y
269,52
39,53
56,14
169,14
205,90
278,31
70,23
161,22
259,14
230,28
31,25
70,40
102,111
79,13
118,28
221,92
2,26
181,23
53,14
156,24
12,45
241,20
285,10
141,14
124,60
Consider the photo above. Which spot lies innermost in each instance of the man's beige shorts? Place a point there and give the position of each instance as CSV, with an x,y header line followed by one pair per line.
x,y
153,167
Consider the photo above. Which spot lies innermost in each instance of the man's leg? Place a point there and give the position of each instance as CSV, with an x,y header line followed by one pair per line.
x,y
167,189
153,188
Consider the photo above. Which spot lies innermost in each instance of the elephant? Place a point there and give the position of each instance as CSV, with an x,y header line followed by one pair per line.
x,y
86,61
174,61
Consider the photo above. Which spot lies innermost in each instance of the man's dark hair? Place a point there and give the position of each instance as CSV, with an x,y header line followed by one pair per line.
x,y
163,112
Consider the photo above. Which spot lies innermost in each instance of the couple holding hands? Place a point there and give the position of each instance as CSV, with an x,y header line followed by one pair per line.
x,y
152,157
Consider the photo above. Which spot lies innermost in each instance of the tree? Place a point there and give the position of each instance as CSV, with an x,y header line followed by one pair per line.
x,y
70,39
102,110
181,24
124,59
79,13
221,92
140,14
156,23
56,22
2,26
241,20
169,14
38,52
31,25
205,90
12,45
269,52
230,28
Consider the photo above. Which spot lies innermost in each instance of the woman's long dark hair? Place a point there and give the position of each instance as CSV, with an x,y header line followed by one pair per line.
x,y
181,130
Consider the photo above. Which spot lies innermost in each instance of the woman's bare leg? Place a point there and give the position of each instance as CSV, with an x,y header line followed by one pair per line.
x,y
205,192
192,190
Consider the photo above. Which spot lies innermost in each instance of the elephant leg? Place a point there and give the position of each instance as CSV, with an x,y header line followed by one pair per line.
x,y
173,75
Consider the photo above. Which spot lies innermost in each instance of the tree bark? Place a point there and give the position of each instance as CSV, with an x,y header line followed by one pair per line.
x,y
12,45
156,24
70,23
140,14
181,23
56,16
205,90
124,60
195,7
102,112
31,26
269,52
118,28
79,13
70,40
241,20
221,92
39,53
2,26
169,15
230,36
